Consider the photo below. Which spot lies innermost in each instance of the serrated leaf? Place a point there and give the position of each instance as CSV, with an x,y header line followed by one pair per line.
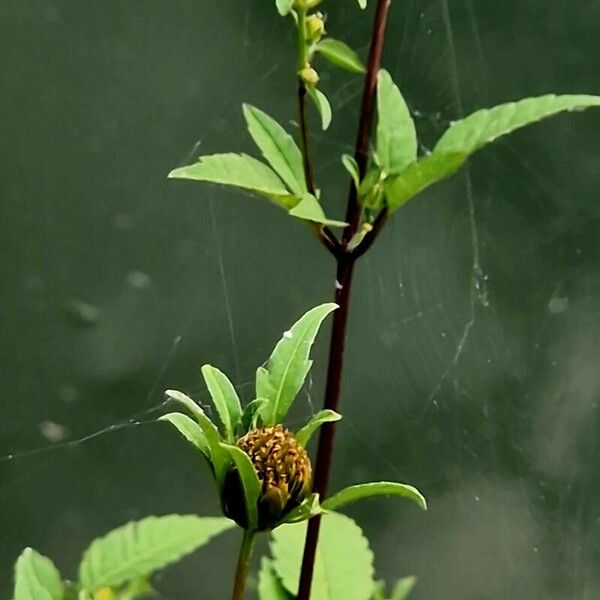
x,y
36,578
278,148
225,399
288,365
219,458
325,416
486,125
343,565
250,482
190,430
139,548
320,101
309,209
403,588
269,586
340,55
239,170
370,490
284,6
396,146
352,167
421,175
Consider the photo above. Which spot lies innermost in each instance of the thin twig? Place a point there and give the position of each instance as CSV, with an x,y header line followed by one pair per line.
x,y
345,270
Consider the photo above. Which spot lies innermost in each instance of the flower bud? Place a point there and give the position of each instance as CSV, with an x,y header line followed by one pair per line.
x,y
309,75
315,27
283,469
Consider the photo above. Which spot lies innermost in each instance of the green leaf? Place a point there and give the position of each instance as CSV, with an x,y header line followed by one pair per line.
x,y
352,167
225,399
219,458
320,101
190,430
269,586
340,55
250,482
239,170
284,6
396,134
309,508
251,413
288,365
362,4
278,148
309,209
369,490
36,578
139,548
486,125
421,175
325,416
379,591
343,565
403,588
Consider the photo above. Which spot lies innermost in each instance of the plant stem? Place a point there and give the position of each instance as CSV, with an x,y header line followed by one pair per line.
x,y
345,270
243,565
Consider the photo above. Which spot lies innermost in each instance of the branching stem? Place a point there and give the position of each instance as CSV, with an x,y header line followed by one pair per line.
x,y
344,273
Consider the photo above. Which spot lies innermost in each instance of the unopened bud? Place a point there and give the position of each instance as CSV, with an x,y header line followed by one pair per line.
x,y
315,27
309,75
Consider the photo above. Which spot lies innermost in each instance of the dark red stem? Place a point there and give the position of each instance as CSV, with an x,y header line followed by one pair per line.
x,y
345,270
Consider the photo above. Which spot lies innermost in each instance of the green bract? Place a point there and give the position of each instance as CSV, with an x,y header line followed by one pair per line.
x,y
261,469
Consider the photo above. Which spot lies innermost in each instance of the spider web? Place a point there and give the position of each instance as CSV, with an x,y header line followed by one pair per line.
x,y
471,353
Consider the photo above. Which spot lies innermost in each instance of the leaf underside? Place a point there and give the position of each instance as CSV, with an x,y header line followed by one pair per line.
x,y
36,578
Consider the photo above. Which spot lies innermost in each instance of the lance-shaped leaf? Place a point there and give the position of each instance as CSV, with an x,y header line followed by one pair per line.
x,y
139,548
251,414
239,170
288,365
250,482
309,209
219,458
320,101
419,176
190,430
325,416
269,586
351,166
486,125
278,148
369,490
340,55
225,399
284,6
343,564
396,146
36,578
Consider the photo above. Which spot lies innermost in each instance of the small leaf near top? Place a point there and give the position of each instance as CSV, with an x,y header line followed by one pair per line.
x,y
225,399
288,365
351,166
370,490
396,146
36,578
362,4
190,430
486,125
343,565
340,55
284,6
403,588
320,101
278,148
139,548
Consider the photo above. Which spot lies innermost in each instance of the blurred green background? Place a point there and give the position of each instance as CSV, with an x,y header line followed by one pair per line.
x,y
473,348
